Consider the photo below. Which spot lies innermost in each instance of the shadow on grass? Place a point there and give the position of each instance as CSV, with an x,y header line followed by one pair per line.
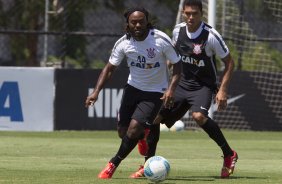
x,y
200,178
210,178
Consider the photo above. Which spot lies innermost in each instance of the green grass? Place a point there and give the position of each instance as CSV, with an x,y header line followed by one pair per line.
x,y
77,157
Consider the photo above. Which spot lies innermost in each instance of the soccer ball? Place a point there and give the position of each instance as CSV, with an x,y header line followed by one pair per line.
x,y
178,126
156,169
163,128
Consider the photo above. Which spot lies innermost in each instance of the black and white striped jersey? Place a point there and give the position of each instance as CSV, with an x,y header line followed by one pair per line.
x,y
198,50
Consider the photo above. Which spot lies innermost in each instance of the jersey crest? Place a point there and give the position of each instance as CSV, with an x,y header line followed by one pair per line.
x,y
197,49
151,53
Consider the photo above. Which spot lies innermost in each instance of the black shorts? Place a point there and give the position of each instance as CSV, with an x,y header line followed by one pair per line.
x,y
196,100
140,105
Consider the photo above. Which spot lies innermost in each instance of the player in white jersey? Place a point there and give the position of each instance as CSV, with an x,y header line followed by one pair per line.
x,y
146,51
198,43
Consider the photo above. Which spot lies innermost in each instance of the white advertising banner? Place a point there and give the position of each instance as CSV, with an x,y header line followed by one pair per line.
x,y
27,98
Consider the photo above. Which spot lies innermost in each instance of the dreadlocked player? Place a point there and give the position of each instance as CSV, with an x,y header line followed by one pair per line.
x,y
146,50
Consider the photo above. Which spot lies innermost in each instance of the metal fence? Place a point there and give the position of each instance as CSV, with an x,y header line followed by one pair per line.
x,y
80,34
73,33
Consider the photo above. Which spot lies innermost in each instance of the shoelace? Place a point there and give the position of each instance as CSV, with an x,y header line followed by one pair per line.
x,y
111,168
140,173
229,161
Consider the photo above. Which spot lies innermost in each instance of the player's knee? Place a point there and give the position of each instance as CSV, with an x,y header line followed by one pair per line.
x,y
135,131
122,131
134,134
199,118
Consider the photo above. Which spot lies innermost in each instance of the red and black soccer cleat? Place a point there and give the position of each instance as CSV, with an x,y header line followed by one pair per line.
x,y
229,165
108,172
139,173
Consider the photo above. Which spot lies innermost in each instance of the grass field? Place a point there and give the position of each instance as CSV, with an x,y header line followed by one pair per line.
x,y
77,157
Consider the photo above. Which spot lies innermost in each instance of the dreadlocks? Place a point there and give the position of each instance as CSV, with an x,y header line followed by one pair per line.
x,y
132,10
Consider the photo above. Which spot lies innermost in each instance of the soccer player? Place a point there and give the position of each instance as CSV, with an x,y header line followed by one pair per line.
x,y
198,43
146,50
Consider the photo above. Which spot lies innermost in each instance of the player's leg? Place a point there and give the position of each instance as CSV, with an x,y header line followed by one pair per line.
x,y
201,102
152,141
146,109
180,107
168,117
127,108
175,114
128,143
153,137
142,143
151,105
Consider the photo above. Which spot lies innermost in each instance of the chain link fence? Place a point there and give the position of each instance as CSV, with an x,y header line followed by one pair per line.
x,y
81,34
77,34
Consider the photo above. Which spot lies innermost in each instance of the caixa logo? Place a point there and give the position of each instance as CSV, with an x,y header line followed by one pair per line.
x,y
10,102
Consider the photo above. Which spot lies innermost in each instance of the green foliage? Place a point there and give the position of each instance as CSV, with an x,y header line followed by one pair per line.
x,y
23,15
171,4
233,51
257,7
115,5
53,61
29,15
3,17
97,64
262,57
276,57
72,19
255,56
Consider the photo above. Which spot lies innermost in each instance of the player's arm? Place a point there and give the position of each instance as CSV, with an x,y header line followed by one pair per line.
x,y
116,57
221,96
168,95
220,49
104,76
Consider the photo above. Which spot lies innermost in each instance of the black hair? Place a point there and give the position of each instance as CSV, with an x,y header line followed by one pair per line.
x,y
129,11
134,9
197,3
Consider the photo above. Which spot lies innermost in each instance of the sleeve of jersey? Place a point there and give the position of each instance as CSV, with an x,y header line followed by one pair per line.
x,y
170,51
175,34
218,44
117,54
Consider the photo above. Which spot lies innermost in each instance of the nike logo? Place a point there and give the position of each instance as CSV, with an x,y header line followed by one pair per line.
x,y
231,100
213,107
203,108
147,123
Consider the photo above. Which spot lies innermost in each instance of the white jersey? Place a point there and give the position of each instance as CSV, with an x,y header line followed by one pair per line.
x,y
147,60
214,45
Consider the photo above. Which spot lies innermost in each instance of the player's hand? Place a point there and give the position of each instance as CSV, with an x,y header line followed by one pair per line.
x,y
168,100
91,99
157,120
221,100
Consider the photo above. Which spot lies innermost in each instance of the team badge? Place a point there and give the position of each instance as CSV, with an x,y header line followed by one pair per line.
x,y
197,48
151,52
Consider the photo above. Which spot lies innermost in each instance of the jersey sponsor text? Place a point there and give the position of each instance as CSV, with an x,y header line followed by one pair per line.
x,y
190,60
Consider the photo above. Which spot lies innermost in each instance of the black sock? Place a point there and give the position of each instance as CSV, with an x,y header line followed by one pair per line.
x,y
152,140
213,130
126,146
